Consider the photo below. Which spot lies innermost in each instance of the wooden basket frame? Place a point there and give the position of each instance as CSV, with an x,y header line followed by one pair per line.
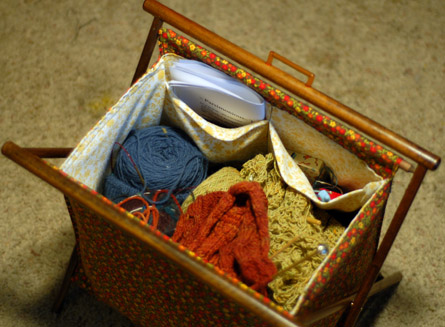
x,y
421,161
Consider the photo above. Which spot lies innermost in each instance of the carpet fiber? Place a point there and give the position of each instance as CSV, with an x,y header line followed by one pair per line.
x,y
63,63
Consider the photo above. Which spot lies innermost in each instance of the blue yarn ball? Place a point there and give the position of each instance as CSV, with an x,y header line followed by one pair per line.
x,y
167,159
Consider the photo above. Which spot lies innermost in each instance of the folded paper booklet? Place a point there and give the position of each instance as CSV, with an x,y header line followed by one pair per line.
x,y
214,95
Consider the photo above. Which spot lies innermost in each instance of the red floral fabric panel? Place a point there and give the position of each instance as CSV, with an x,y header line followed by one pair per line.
x,y
383,162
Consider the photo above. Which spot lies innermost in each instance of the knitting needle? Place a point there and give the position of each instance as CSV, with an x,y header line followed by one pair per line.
x,y
285,246
289,243
313,221
322,249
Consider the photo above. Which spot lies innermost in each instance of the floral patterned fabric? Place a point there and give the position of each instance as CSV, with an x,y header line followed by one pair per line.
x,y
376,156
345,267
151,100
151,290
147,288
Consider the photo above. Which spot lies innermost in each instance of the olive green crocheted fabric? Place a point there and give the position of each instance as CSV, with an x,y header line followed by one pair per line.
x,y
296,228
293,240
219,181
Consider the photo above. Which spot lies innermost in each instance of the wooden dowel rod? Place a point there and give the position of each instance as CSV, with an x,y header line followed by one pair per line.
x,y
287,81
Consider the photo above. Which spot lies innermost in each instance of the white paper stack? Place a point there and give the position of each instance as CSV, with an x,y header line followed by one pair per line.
x,y
214,95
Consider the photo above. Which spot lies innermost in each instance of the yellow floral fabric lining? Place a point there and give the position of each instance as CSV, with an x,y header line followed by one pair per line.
x,y
151,101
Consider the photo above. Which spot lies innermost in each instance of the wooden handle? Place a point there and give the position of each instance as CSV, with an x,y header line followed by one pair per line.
x,y
290,83
310,76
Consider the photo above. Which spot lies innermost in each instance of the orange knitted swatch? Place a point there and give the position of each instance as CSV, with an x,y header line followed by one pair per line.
x,y
230,230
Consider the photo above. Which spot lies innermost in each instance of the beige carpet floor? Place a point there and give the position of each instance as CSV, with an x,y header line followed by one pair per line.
x,y
63,63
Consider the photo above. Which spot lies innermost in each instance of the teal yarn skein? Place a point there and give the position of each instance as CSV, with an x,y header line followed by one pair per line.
x,y
156,158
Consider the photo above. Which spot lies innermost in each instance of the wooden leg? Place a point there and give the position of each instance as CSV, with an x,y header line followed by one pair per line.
x,y
149,46
385,245
66,281
379,286
375,304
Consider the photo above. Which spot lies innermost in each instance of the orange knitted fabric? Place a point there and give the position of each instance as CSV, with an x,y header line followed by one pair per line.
x,y
230,230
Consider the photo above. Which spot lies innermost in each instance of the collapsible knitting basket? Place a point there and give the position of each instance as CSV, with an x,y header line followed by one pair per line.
x,y
156,282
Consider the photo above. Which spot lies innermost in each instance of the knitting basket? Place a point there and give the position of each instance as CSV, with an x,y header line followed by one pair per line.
x,y
154,281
